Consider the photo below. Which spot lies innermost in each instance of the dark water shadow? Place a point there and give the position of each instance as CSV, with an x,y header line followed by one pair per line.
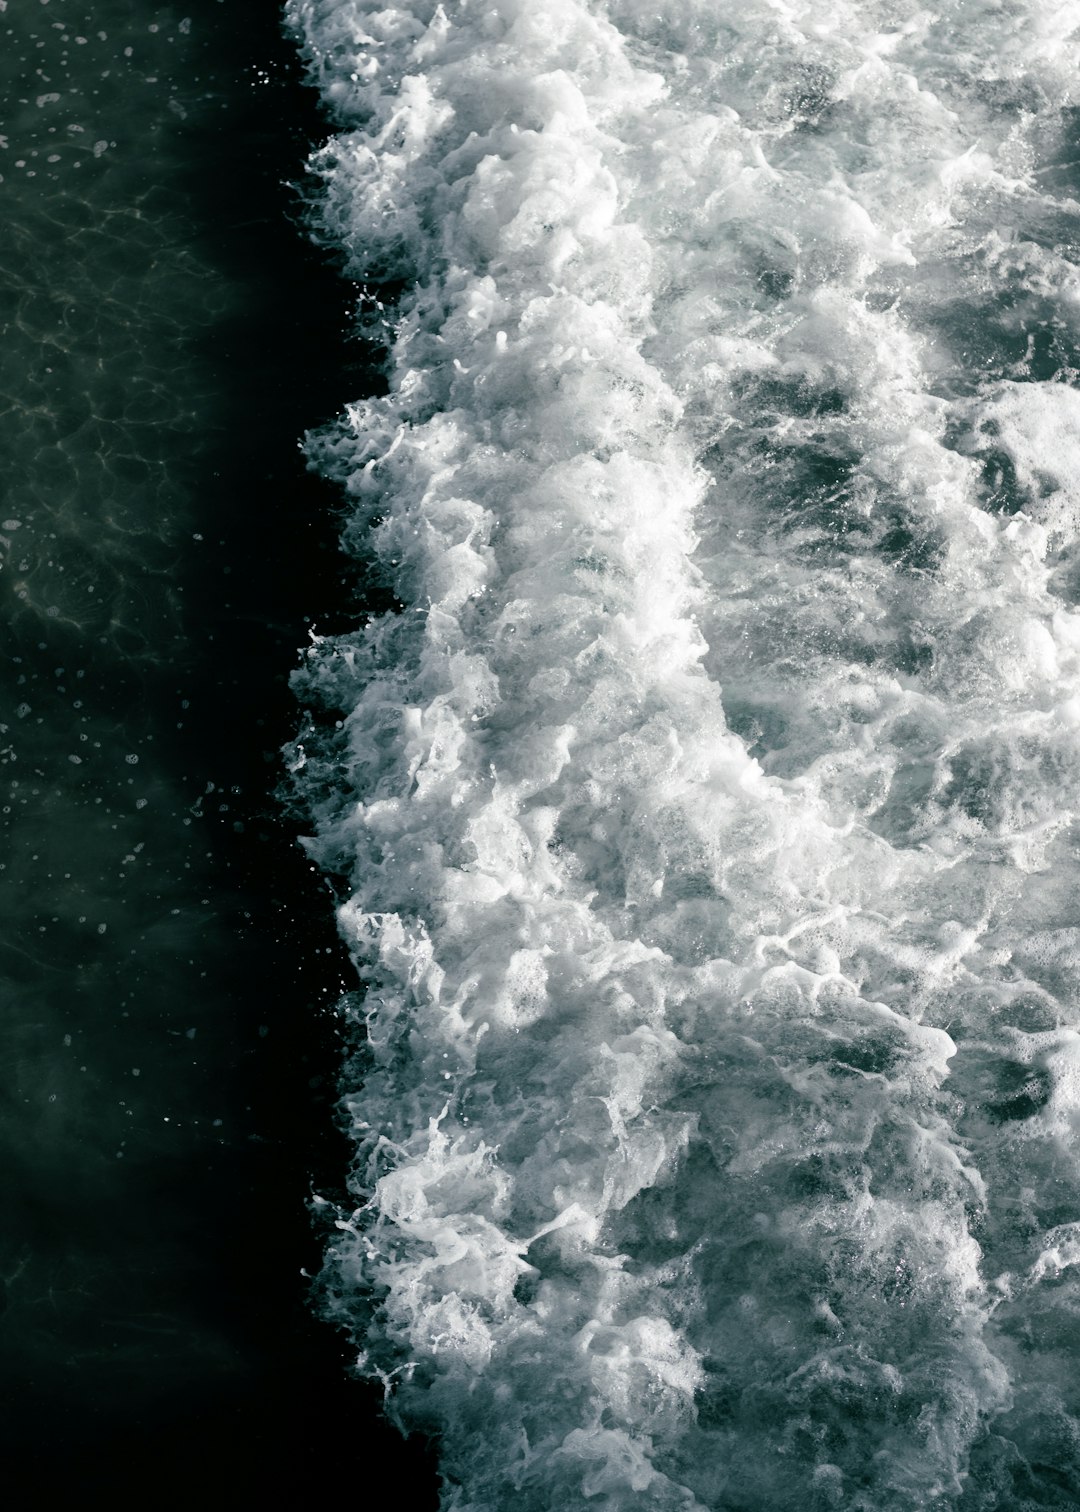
x,y
207,1374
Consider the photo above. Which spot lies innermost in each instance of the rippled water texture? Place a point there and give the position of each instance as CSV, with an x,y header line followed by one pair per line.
x,y
705,798
160,1054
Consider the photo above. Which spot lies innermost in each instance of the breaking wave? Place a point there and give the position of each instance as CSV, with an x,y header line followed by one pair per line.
x,y
706,789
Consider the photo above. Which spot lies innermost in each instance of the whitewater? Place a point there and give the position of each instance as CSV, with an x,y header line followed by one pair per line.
x,y
702,789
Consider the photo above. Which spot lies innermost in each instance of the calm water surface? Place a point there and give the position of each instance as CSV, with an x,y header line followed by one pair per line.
x,y
166,957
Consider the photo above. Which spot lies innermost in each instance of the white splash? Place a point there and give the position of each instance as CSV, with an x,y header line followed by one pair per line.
x,y
708,802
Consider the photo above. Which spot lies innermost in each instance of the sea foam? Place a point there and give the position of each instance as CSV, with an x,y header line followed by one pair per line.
x,y
705,799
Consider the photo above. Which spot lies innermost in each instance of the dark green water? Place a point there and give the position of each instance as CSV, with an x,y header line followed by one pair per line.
x,y
166,957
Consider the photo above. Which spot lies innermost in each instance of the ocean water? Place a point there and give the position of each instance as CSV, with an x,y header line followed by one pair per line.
x,y
166,959
701,799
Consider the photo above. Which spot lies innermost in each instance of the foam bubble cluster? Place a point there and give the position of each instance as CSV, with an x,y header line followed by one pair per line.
x,y
706,793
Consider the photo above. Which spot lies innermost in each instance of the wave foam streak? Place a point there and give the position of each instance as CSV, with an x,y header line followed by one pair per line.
x,y
707,798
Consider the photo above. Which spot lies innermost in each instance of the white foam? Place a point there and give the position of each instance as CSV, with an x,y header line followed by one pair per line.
x,y
705,805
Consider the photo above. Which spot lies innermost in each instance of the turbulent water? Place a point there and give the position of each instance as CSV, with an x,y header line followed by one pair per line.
x,y
706,793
